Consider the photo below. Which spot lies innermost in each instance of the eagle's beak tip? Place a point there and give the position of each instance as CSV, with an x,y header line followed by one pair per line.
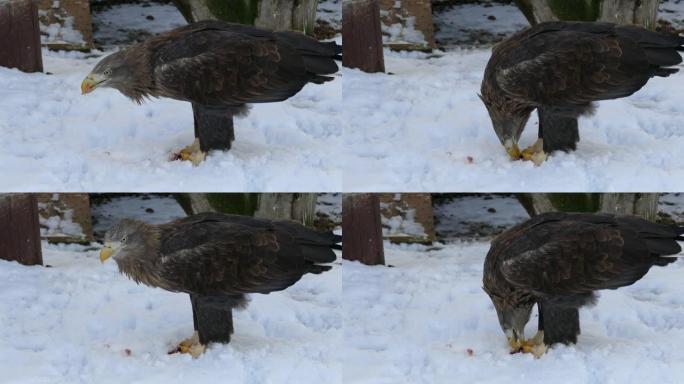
x,y
105,253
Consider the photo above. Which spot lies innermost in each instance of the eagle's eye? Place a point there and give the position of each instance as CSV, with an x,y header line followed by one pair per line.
x,y
107,72
123,240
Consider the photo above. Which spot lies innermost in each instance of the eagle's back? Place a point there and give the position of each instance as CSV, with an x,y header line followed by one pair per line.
x,y
216,253
215,63
578,253
575,63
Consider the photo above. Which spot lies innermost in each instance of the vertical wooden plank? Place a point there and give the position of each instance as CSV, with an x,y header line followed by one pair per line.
x,y
20,229
362,228
362,36
20,36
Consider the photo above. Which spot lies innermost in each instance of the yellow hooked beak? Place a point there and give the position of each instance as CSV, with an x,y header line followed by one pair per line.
x,y
91,82
106,252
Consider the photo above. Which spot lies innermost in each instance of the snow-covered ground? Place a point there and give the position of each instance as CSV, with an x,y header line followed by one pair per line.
x,y
86,323
127,23
672,11
330,11
54,139
460,217
427,320
153,209
423,128
82,322
673,205
476,23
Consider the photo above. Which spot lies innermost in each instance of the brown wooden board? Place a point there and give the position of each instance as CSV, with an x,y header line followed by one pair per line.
x,y
20,36
362,36
362,228
19,229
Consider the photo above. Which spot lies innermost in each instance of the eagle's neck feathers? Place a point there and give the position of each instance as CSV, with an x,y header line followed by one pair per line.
x,y
141,264
142,85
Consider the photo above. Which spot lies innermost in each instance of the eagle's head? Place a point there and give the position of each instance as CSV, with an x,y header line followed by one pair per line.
x,y
112,71
126,238
513,310
508,120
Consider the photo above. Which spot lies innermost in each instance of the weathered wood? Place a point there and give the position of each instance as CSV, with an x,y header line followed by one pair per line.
x,y
19,229
411,216
362,228
640,204
299,207
362,36
296,15
235,203
68,217
412,15
73,16
20,36
642,12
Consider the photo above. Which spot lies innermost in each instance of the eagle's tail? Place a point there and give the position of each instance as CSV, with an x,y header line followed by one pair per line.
x,y
662,51
672,252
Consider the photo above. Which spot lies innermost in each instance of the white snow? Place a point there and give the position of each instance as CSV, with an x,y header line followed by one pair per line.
x,y
423,127
60,225
415,323
118,23
672,11
74,322
330,205
54,139
403,32
153,209
330,11
462,24
460,216
403,223
673,205
61,32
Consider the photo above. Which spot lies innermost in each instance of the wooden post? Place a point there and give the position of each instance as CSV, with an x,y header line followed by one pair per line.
x,y
641,12
362,36
639,204
362,228
20,229
297,15
20,35
299,207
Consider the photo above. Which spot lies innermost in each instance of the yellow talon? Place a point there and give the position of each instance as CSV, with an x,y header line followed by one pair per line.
x,y
514,152
192,153
535,153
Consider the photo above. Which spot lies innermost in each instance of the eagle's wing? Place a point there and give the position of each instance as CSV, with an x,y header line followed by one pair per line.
x,y
219,67
577,63
211,257
580,256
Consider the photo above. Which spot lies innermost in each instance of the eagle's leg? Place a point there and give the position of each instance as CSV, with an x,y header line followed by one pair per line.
x,y
214,130
561,325
192,344
214,319
559,129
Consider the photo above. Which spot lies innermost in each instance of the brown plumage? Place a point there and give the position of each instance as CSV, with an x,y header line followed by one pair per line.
x,y
220,68
559,260
217,259
561,68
